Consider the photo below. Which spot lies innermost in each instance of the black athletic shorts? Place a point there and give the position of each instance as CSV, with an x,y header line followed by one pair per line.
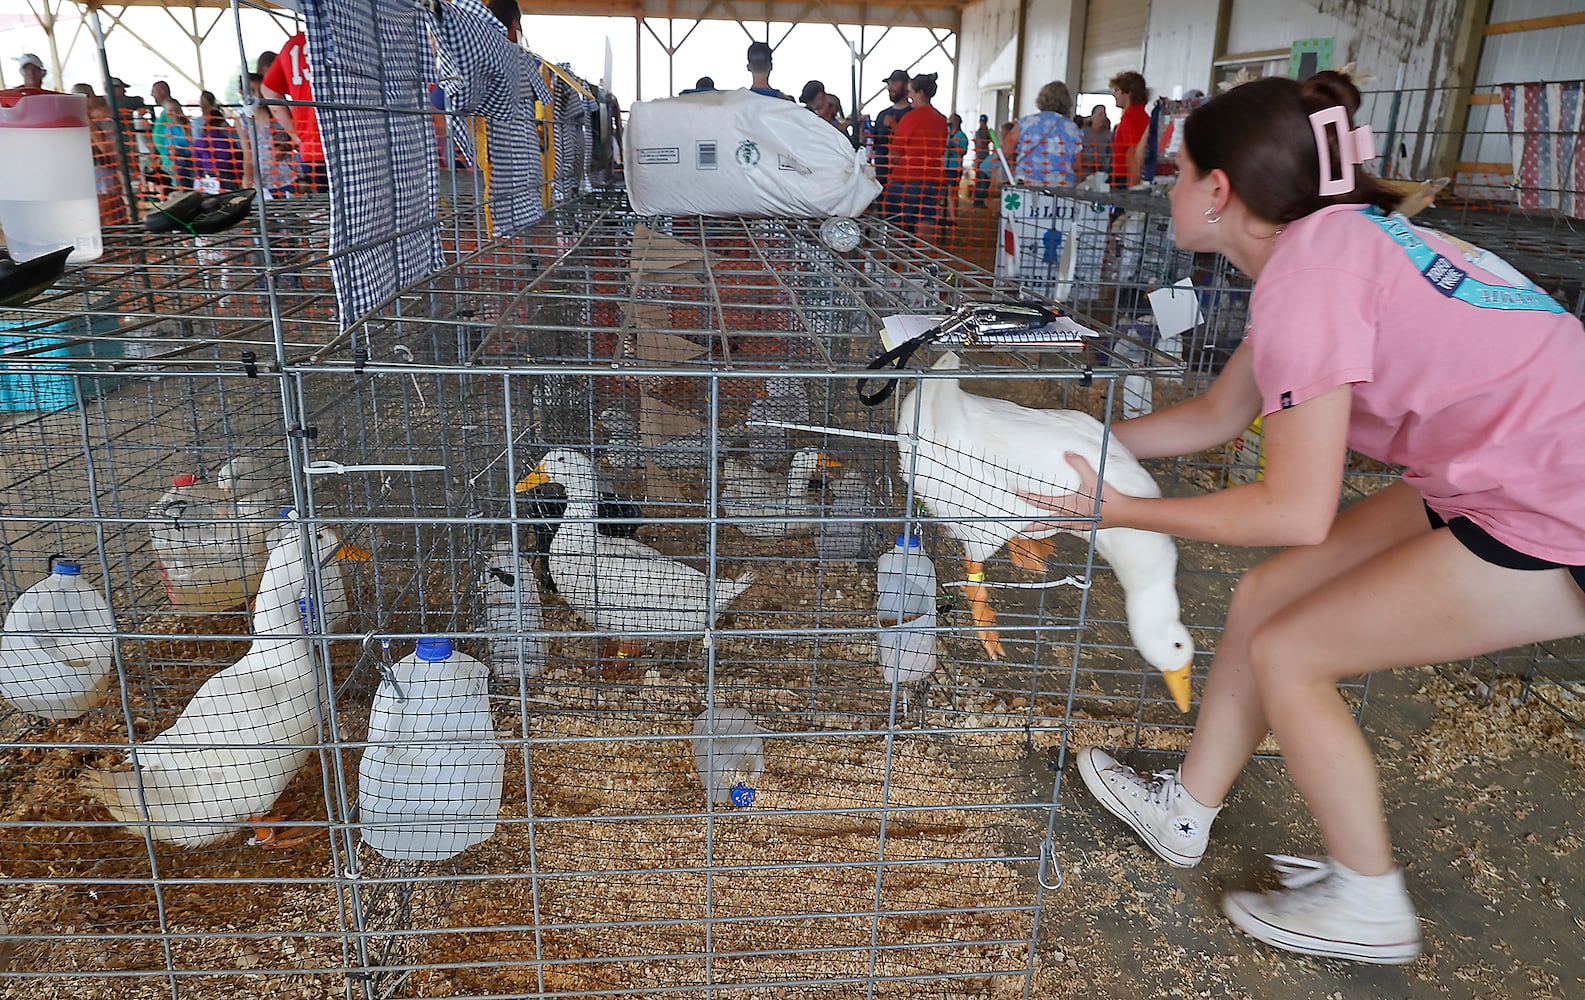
x,y
1473,537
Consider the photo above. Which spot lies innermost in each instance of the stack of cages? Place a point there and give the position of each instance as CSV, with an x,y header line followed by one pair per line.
x,y
735,794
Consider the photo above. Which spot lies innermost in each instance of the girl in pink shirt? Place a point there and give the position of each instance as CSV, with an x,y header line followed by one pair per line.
x,y
1370,333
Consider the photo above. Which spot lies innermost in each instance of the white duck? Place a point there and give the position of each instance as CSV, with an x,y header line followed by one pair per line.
x,y
750,492
244,734
57,646
975,455
620,585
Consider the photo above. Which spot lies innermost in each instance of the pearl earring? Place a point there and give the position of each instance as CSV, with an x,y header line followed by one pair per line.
x,y
1212,217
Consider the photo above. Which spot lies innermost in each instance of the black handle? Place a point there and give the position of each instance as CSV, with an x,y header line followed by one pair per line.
x,y
896,358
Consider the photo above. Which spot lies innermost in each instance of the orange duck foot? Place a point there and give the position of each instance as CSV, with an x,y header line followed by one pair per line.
x,y
274,833
618,654
984,615
1030,553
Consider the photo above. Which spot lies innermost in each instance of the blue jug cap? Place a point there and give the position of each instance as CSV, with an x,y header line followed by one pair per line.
x,y
908,541
742,795
63,568
288,513
305,608
434,650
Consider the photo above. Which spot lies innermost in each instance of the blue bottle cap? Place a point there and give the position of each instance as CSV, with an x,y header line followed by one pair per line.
x,y
305,608
742,795
434,650
288,513
67,569
908,541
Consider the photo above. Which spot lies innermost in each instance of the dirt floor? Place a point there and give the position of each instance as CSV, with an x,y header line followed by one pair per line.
x,y
1483,800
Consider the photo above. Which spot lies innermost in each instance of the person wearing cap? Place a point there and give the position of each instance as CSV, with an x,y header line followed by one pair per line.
x,y
885,123
917,174
32,69
759,66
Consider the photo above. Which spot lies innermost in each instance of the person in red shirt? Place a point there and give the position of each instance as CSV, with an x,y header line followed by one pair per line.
x,y
917,174
289,78
1128,151
32,68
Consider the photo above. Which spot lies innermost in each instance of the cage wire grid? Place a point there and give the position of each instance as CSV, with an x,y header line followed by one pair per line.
x,y
900,838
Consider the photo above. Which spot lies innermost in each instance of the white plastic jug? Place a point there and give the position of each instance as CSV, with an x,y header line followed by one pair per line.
x,y
512,610
905,585
210,559
57,646
48,195
429,783
729,754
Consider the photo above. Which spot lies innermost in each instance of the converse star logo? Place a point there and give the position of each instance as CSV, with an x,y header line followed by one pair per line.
x,y
1185,827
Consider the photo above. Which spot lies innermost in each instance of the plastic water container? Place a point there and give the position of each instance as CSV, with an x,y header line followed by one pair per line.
x,y
64,672
729,754
512,610
429,783
905,585
48,195
210,558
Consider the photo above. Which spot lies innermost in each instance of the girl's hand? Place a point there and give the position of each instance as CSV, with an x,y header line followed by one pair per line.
x,y
1068,507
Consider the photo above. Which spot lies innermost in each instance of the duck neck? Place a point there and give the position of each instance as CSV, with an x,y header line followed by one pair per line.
x,y
275,611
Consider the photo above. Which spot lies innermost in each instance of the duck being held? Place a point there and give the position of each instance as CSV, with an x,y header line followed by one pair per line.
x,y
976,462
245,733
619,585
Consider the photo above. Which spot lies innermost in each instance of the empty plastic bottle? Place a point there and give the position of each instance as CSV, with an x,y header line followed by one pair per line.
x,y
209,558
57,646
429,783
512,611
729,754
905,586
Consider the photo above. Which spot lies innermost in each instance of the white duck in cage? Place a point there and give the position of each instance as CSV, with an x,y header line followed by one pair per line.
x,y
619,585
750,492
57,646
245,733
975,455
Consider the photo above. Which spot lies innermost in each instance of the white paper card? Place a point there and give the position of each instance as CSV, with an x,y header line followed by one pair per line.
x,y
899,329
1177,308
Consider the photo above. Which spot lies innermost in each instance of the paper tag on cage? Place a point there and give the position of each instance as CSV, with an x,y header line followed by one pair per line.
x,y
903,328
1176,307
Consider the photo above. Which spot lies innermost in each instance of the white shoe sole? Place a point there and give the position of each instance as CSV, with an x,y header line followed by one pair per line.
x,y
1395,953
1114,805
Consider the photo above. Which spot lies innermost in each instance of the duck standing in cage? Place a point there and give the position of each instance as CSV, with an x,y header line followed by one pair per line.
x,y
971,459
231,753
619,586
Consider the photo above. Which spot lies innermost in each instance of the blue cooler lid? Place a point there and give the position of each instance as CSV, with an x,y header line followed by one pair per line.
x,y
63,568
434,650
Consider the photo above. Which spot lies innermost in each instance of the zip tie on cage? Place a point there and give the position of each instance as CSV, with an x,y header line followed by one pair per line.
x,y
817,429
184,224
1067,581
326,468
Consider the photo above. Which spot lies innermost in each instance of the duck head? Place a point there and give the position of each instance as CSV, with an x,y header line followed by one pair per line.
x,y
1169,648
572,470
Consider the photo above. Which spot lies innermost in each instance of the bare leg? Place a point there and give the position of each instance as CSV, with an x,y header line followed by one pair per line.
x,y
1232,721
1426,600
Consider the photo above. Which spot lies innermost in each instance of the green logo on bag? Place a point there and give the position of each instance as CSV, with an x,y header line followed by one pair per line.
x,y
1011,201
747,153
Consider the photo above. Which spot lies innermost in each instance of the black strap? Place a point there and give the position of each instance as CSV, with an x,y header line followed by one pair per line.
x,y
896,358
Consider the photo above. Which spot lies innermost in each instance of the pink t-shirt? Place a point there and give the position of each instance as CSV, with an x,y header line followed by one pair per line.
x,y
1463,372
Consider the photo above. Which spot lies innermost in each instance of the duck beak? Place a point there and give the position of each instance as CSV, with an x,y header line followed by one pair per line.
x,y
533,479
827,463
1178,683
353,553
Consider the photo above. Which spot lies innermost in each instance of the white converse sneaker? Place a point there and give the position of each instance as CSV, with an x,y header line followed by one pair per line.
x,y
1331,910
1165,816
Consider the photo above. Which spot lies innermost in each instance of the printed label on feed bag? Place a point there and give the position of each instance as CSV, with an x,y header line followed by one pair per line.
x,y
704,158
660,154
785,162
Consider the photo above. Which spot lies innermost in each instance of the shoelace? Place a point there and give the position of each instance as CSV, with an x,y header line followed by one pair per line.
x,y
1299,873
1160,789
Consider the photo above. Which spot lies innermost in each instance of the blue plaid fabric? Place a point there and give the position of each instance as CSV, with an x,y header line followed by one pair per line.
x,y
384,183
484,74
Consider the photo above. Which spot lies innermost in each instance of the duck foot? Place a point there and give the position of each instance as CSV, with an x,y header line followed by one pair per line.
x,y
979,598
1030,553
618,655
274,833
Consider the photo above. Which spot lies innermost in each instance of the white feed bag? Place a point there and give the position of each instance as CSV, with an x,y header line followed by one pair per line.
x,y
735,152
